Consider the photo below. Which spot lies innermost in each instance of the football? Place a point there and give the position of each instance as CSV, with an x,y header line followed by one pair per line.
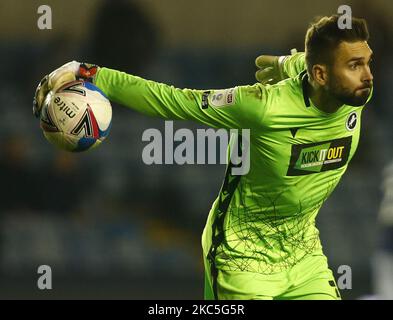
x,y
76,117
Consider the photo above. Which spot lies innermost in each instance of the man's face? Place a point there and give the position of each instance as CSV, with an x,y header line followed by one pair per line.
x,y
350,79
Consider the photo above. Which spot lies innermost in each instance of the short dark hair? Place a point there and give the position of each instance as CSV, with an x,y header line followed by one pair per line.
x,y
324,35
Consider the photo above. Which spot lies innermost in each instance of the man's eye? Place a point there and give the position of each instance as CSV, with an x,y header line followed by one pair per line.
x,y
353,66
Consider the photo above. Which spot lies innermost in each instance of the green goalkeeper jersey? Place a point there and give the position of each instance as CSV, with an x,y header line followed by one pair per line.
x,y
263,221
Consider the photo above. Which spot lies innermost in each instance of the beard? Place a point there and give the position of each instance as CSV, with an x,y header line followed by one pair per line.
x,y
355,98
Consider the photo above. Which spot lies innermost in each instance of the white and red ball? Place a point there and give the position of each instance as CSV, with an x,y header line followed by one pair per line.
x,y
77,117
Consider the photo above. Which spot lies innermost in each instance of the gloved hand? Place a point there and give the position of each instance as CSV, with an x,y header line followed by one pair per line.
x,y
68,72
271,68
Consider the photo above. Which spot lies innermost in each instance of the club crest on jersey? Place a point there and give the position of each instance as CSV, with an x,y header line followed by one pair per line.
x,y
222,98
352,121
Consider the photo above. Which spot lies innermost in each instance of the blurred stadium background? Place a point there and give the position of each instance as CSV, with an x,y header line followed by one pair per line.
x,y
110,226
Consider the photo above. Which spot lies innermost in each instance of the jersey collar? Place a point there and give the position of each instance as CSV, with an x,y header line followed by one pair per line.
x,y
304,79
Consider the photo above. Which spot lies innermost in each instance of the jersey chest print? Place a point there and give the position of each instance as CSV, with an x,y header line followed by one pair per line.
x,y
318,157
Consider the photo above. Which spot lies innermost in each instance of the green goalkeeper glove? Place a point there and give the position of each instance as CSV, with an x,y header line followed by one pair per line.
x,y
68,72
271,68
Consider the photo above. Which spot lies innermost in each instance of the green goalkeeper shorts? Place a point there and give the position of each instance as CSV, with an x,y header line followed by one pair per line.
x,y
310,279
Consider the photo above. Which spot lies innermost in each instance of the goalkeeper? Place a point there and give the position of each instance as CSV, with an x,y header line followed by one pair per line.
x,y
260,240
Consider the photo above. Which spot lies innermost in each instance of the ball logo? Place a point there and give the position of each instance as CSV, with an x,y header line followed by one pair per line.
x,y
352,121
88,124
63,107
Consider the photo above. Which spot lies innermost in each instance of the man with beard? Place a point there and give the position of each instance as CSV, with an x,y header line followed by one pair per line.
x,y
260,240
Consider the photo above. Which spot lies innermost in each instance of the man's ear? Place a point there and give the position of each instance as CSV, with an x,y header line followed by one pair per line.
x,y
319,73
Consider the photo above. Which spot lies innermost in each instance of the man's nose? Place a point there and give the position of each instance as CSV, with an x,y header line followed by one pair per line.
x,y
368,76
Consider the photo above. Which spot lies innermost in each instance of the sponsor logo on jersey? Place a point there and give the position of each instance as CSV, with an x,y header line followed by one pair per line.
x,y
319,157
351,121
205,99
222,98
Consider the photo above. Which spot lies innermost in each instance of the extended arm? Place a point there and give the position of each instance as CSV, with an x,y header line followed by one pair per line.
x,y
239,107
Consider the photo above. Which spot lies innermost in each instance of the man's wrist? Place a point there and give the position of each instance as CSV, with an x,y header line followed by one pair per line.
x,y
88,72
